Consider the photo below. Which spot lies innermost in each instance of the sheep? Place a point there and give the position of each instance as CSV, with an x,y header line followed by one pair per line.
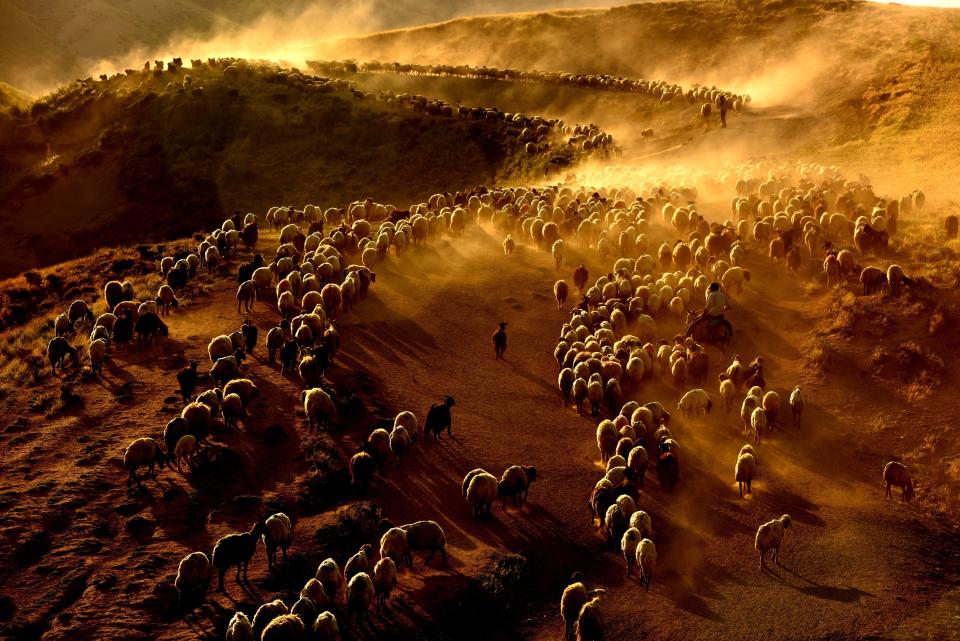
x,y
595,393
607,438
393,545
508,245
579,393
330,577
360,594
646,561
744,471
239,628
246,296
400,442
797,403
62,326
265,614
557,250
184,449
770,536
895,474
325,628
480,489
79,311
143,452
748,449
318,406
219,347
166,299
872,279
98,353
315,592
426,535
733,278
668,471
695,402
628,546
384,580
642,522
573,599
439,418
561,290
362,467
590,620
896,278
237,550
278,535
227,368
771,405
727,391
58,349
306,610
758,422
286,627
187,381
515,483
242,387
193,576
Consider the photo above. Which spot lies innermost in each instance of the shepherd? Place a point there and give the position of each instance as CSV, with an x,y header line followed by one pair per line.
x,y
500,340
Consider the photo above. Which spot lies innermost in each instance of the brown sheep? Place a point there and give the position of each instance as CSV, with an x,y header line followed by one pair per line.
x,y
895,474
776,250
872,280
951,225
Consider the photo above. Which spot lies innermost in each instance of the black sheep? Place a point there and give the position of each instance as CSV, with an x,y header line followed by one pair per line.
x,y
288,356
500,341
187,378
439,418
148,327
58,349
668,471
237,550
249,331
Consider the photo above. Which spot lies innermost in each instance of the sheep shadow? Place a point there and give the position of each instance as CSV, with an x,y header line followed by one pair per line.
x,y
840,594
799,508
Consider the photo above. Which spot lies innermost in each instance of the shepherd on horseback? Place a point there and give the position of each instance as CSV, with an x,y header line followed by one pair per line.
x,y
716,304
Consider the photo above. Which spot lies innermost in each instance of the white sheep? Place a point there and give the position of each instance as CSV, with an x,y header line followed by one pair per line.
x,y
482,489
239,628
325,628
628,546
696,402
193,576
286,627
642,522
278,535
646,561
758,422
98,353
184,449
727,391
384,580
393,545
360,595
219,347
770,537
797,403
330,577
267,613
508,245
557,250
744,471
409,421
590,620
318,406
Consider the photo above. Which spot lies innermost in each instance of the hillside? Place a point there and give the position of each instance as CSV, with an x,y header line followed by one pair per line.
x,y
87,162
47,44
12,97
866,80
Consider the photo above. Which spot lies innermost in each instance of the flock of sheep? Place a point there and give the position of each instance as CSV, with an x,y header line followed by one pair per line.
x,y
625,331
663,91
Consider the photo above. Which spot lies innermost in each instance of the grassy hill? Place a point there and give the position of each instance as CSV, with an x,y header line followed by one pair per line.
x,y
137,158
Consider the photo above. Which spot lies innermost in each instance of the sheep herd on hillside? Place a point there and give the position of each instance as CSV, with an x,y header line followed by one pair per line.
x,y
660,90
624,355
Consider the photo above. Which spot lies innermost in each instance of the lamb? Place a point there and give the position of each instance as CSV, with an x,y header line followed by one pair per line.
x,y
265,614
590,620
628,546
895,474
515,483
561,290
193,576
184,449
237,550
770,536
426,535
797,403
286,627
480,489
439,418
646,561
744,471
239,628
696,402
98,353
58,349
246,296
360,595
278,534
143,452
362,467
318,406
384,580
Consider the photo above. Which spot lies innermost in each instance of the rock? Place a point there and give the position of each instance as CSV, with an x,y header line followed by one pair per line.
x,y
141,525
7,608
